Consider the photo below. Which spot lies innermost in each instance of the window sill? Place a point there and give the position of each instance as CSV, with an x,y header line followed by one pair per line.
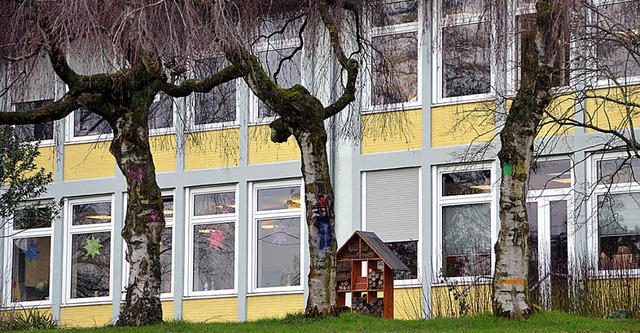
x,y
211,127
87,301
225,294
27,305
471,99
89,139
270,292
409,106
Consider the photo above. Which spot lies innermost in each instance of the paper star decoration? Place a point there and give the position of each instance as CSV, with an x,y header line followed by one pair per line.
x,y
215,239
32,251
93,246
280,234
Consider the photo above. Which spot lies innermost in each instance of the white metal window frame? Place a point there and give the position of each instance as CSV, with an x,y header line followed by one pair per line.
x,y
440,23
593,236
609,83
11,235
395,29
409,282
193,221
441,201
274,214
271,46
71,230
169,223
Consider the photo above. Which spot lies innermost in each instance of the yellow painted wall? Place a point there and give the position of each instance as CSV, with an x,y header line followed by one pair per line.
x,y
167,310
210,309
47,160
611,114
407,303
86,316
462,124
212,149
603,296
88,160
444,303
263,150
26,311
163,148
391,131
273,305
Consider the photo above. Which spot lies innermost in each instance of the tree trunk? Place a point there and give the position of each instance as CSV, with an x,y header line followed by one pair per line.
x,y
510,283
320,216
144,219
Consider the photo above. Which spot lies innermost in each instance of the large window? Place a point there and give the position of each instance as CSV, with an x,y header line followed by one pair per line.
x,y
86,124
161,113
29,255
40,132
89,249
617,50
464,35
217,106
278,247
464,210
392,211
212,240
394,40
166,247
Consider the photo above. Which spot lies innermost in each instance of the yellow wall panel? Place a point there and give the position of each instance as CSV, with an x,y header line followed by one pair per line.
x,y
88,160
46,160
407,303
167,310
212,149
272,306
613,114
444,304
210,309
26,311
163,148
620,291
263,150
86,316
391,131
462,124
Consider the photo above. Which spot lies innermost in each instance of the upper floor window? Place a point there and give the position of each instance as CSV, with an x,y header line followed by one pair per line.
x,y
161,113
219,105
394,40
465,39
617,32
40,132
87,124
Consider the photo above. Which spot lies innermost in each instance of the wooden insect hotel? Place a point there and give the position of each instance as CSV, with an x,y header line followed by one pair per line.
x,y
365,272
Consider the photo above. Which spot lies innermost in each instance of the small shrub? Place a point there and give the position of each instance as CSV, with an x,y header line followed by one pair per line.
x,y
26,319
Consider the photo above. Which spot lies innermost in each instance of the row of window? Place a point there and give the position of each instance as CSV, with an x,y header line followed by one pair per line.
x,y
211,235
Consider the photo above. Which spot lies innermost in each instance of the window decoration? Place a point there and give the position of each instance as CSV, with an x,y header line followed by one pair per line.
x,y
89,274
394,39
278,227
212,224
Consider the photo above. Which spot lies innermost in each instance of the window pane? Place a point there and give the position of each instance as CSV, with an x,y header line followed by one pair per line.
x,y
166,247
550,175
395,71
617,48
161,112
286,74
469,182
218,105
167,206
278,257
30,269
467,239
457,8
395,13
620,170
213,256
87,123
214,203
90,260
465,57
92,213
619,231
279,198
32,217
408,253
33,131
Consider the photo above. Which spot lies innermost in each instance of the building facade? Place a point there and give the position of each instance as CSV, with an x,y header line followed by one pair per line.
x,y
422,175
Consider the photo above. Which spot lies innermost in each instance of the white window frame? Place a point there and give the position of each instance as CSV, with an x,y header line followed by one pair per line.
x,y
389,31
71,230
71,138
609,83
13,234
593,236
275,214
409,282
441,201
193,221
440,22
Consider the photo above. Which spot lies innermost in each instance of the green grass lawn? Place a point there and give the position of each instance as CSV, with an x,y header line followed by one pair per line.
x,y
540,322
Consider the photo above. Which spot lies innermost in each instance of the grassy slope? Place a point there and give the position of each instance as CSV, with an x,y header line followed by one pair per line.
x,y
542,322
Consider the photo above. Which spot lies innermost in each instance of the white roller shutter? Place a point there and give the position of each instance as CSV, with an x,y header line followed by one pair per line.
x,y
393,204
